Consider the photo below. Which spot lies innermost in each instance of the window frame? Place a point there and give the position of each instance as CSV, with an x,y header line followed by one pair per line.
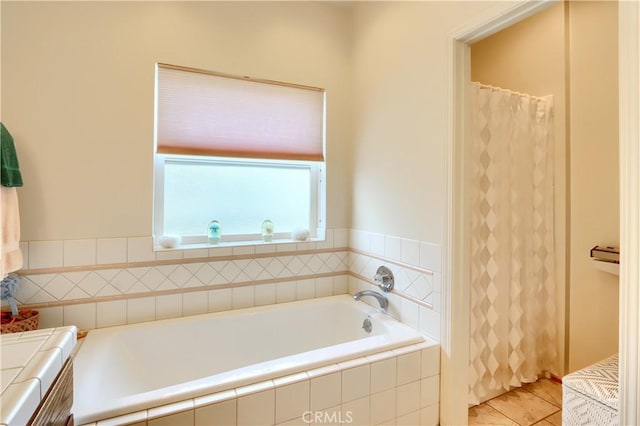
x,y
317,210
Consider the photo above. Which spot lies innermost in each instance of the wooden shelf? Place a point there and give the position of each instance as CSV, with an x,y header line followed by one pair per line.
x,y
612,268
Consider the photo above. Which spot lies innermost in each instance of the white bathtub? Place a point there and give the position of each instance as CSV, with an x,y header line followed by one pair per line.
x,y
121,370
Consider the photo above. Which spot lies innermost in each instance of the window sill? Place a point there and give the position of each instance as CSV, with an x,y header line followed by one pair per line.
x,y
232,244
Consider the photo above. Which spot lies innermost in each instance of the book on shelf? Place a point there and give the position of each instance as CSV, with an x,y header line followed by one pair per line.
x,y
606,254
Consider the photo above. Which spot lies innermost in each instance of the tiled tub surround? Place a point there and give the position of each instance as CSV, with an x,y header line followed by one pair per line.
x,y
416,297
112,300
151,285
96,296
358,381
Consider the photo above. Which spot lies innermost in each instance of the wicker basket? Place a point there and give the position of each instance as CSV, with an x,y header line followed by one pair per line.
x,y
27,321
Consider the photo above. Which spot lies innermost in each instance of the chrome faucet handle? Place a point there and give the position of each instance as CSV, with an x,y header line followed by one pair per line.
x,y
384,279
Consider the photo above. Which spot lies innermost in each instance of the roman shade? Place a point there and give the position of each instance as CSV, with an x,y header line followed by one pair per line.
x,y
207,113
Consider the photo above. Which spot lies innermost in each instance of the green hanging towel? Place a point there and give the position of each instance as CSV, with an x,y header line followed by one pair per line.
x,y
9,169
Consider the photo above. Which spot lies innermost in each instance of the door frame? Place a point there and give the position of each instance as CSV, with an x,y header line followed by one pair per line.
x,y
455,296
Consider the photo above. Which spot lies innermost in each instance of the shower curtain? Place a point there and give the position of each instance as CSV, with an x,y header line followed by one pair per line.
x,y
513,295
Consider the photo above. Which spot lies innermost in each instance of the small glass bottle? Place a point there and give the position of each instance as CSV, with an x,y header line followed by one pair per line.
x,y
214,232
267,231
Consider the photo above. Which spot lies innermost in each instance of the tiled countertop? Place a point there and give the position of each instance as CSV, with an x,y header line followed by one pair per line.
x,y
30,363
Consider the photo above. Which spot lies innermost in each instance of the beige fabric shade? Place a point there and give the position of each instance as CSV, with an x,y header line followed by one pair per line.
x,y
205,113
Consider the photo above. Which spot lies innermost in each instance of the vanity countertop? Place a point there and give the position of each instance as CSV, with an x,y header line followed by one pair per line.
x,y
30,362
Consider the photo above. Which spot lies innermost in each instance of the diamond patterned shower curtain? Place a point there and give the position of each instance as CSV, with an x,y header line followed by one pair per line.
x,y
513,294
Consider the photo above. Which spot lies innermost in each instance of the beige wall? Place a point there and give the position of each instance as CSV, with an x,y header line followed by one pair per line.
x,y
77,81
530,57
594,188
400,75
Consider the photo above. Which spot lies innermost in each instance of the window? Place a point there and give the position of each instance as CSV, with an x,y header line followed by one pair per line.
x,y
238,151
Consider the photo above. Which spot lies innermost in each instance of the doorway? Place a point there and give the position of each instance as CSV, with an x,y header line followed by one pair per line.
x,y
455,340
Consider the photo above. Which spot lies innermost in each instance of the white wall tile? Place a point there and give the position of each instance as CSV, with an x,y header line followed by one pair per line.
x,y
377,244
383,406
111,250
326,391
265,248
220,251
429,391
195,303
139,418
79,252
140,249
392,247
394,305
355,383
409,313
220,300
309,245
292,401
171,254
242,250
51,317
220,414
265,294
410,251
341,284
324,287
408,398
82,316
408,368
298,421
111,313
430,322
364,241
354,239
410,419
436,301
286,292
257,408
24,248
431,256
437,282
141,309
383,375
305,289
356,412
430,416
182,418
59,286
242,297
430,361
168,306
45,254
340,237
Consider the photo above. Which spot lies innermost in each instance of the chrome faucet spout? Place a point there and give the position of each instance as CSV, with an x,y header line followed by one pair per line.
x,y
384,302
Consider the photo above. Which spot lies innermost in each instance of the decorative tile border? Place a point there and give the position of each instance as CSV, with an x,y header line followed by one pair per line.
x,y
65,285
415,283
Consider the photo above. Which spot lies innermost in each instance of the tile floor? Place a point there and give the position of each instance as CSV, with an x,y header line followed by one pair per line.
x,y
538,403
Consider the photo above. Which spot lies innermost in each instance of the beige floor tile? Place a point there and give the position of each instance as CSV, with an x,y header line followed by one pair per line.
x,y
485,415
552,420
523,407
548,390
